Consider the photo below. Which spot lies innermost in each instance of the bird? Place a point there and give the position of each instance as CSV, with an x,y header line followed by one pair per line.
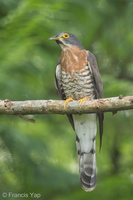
x,y
77,77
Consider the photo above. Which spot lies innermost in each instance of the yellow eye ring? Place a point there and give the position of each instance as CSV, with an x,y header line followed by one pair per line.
x,y
65,35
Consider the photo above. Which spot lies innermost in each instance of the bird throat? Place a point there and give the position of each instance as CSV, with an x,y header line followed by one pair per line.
x,y
73,59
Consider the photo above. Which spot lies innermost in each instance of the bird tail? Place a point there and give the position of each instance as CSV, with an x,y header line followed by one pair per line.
x,y
85,127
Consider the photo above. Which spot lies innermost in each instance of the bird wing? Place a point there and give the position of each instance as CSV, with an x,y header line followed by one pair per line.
x,y
98,88
58,80
60,90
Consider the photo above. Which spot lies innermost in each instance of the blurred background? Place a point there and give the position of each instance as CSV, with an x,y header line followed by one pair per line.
x,y
41,157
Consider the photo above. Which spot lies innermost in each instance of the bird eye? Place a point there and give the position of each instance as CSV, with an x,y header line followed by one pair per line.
x,y
66,35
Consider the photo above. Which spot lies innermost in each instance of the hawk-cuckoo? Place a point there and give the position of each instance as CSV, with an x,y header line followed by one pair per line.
x,y
78,78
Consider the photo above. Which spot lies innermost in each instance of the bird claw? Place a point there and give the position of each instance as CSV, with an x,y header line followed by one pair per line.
x,y
67,100
81,100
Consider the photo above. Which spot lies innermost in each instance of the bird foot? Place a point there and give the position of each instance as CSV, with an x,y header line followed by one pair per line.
x,y
81,100
67,100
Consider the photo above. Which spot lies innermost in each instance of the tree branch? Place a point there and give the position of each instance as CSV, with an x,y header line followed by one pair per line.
x,y
31,107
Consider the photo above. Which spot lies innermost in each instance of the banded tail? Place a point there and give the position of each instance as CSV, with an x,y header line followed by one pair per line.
x,y
85,127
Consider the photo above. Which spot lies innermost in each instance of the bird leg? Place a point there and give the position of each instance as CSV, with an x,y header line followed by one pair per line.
x,y
81,100
67,100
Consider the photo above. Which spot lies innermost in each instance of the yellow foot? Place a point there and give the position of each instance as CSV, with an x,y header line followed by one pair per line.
x,y
67,100
81,100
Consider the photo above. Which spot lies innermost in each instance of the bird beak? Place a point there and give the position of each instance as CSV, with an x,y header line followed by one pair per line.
x,y
55,38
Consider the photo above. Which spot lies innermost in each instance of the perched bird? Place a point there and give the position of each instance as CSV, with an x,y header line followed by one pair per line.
x,y
78,78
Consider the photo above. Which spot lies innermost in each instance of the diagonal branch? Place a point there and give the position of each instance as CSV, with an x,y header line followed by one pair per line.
x,y
57,106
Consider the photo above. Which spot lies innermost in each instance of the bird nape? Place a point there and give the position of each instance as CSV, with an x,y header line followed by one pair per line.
x,y
78,78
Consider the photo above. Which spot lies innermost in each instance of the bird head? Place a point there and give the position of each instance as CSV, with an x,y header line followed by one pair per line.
x,y
66,39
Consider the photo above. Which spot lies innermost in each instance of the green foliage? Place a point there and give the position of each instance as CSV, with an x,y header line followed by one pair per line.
x,y
41,157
